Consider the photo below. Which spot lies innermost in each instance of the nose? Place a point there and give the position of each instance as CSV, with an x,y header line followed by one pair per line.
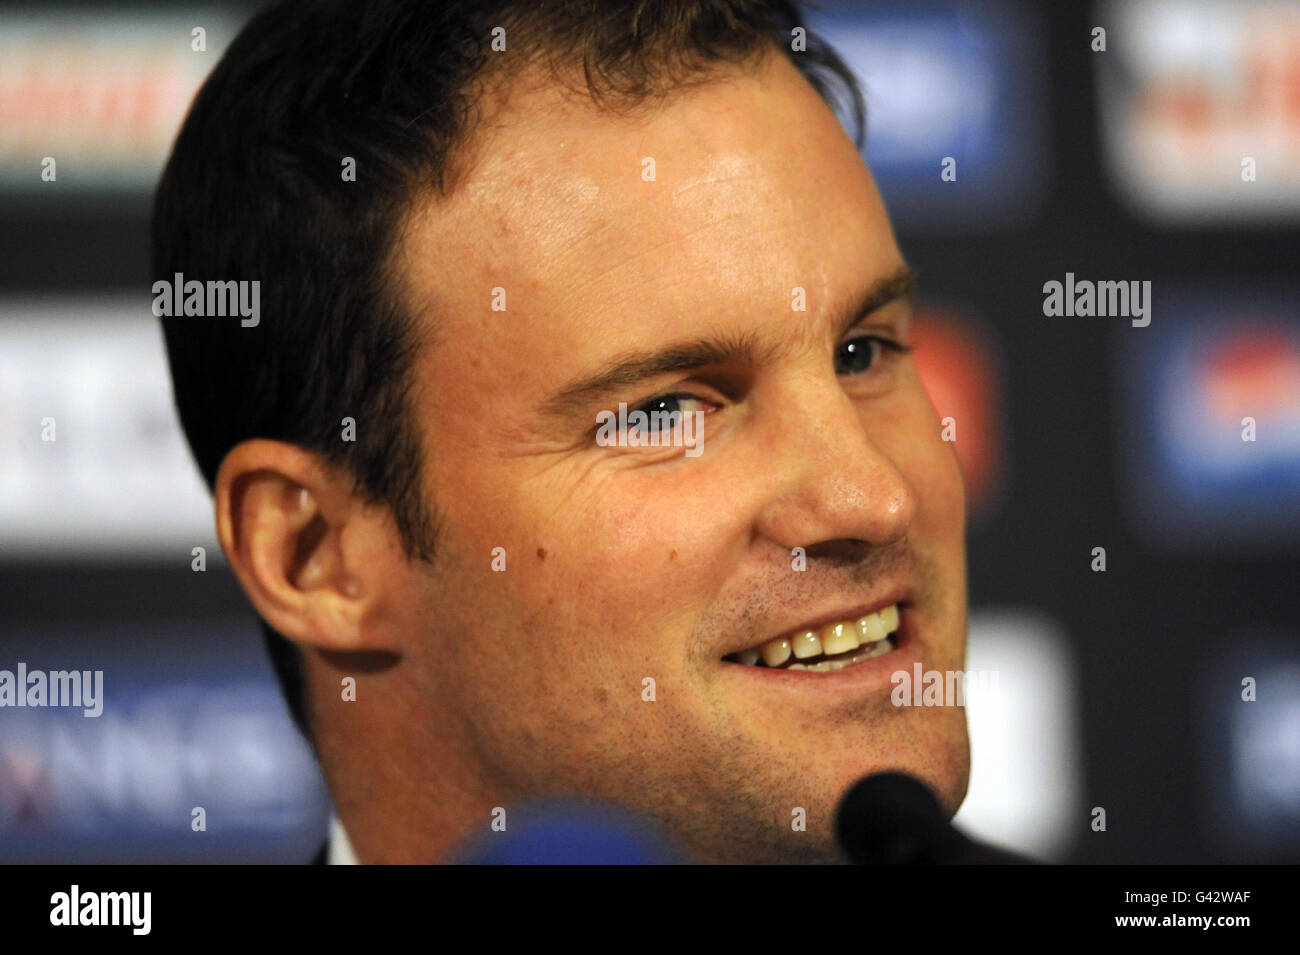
x,y
836,489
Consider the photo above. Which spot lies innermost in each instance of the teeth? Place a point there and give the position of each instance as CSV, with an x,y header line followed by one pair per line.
x,y
872,628
776,652
839,638
877,649
871,632
806,644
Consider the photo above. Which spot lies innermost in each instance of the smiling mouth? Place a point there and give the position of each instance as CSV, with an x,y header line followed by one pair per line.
x,y
831,647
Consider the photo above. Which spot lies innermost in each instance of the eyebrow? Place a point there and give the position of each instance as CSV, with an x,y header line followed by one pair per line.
x,y
630,368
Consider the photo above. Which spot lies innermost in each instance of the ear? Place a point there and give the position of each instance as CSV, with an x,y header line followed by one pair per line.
x,y
318,564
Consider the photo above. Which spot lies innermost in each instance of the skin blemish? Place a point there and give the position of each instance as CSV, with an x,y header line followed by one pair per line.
x,y
541,553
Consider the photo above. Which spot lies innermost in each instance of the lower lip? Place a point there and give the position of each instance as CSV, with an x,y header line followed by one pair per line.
x,y
868,677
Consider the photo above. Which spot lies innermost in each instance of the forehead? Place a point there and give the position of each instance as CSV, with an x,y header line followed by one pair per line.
x,y
707,207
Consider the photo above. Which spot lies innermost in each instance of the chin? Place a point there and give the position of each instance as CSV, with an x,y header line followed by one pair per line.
x,y
946,769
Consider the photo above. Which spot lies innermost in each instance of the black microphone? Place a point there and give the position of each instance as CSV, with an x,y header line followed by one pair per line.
x,y
894,819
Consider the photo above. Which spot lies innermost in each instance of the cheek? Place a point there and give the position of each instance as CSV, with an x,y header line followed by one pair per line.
x,y
619,554
653,547
929,463
931,467
555,681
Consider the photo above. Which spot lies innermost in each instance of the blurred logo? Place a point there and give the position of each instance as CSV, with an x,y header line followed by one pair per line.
x,y
95,461
193,758
156,754
92,98
1026,756
1200,107
954,357
954,115
1212,411
1249,701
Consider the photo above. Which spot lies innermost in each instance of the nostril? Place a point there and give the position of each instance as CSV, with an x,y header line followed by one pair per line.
x,y
844,551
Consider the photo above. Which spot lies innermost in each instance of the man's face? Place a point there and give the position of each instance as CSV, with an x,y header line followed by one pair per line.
x,y
626,565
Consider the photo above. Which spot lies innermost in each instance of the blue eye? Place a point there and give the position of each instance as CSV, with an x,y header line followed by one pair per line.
x,y
860,354
663,412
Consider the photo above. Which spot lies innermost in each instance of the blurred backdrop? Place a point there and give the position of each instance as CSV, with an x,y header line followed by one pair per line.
x,y
1171,155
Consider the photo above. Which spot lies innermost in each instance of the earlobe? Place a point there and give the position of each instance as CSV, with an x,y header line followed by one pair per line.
x,y
296,539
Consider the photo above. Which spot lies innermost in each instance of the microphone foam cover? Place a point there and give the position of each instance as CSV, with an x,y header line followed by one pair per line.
x,y
892,819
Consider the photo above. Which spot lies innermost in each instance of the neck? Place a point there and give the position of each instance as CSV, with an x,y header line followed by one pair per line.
x,y
401,790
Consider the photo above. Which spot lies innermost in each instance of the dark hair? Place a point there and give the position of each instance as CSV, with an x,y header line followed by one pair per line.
x,y
254,190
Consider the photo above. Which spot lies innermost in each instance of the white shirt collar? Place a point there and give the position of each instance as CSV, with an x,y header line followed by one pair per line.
x,y
340,848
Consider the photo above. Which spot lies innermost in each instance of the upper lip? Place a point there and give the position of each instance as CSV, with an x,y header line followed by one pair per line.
x,y
899,595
